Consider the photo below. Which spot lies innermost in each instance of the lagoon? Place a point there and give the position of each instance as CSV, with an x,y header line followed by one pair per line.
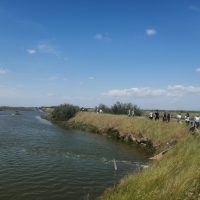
x,y
39,160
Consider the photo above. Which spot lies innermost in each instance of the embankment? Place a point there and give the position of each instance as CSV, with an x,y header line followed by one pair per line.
x,y
151,135
176,176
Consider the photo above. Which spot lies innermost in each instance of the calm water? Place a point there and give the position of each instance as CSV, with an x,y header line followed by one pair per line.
x,y
40,161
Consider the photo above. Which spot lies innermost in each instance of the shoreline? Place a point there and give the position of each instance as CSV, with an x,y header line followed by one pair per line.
x,y
175,174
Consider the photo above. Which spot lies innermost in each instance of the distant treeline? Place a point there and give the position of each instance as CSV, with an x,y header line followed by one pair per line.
x,y
66,111
3,108
120,108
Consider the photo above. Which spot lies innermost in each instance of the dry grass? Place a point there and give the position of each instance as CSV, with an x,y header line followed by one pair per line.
x,y
175,177
157,132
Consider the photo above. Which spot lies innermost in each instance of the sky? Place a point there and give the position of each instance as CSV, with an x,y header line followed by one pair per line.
x,y
87,52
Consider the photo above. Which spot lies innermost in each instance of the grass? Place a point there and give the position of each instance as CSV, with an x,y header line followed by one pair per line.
x,y
176,177
158,132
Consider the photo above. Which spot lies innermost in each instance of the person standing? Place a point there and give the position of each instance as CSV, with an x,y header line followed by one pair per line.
x,y
187,119
133,113
164,117
129,112
168,117
197,121
157,115
151,115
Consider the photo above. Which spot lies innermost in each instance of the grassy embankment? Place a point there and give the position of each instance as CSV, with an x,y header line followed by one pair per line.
x,y
162,135
176,176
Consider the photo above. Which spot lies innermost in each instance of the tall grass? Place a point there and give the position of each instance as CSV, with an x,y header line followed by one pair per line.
x,y
175,177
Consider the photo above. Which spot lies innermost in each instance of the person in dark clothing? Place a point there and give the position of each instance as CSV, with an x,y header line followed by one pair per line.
x,y
164,117
168,117
157,115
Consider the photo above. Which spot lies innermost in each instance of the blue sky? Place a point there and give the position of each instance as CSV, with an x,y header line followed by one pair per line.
x,y
88,52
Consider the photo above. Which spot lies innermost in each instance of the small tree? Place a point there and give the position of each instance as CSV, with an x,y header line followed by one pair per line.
x,y
64,112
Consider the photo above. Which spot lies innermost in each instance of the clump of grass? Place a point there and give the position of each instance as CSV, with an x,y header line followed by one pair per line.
x,y
176,177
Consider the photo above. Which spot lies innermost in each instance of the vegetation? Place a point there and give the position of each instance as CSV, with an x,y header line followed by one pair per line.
x,y
175,177
161,134
3,108
120,108
64,112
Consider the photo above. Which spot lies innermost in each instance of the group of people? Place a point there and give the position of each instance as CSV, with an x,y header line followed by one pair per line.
x,y
99,110
165,118
193,121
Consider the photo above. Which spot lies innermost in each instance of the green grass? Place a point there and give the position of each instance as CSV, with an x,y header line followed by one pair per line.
x,y
176,177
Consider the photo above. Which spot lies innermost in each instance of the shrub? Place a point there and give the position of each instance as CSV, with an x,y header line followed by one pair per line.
x,y
64,112
120,108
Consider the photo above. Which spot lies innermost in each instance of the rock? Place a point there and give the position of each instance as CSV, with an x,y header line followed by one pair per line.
x,y
132,138
143,140
126,138
143,144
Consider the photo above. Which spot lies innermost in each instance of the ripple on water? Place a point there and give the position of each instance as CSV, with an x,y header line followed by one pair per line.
x,y
42,161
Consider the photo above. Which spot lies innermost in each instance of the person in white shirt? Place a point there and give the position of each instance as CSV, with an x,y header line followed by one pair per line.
x,y
197,121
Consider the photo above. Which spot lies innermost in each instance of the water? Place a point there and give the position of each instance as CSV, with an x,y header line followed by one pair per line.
x,y
40,161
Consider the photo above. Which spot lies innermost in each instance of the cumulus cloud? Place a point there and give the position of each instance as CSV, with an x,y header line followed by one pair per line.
x,y
3,71
151,32
31,51
175,91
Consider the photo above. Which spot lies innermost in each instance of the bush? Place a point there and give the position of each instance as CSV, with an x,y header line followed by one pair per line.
x,y
120,108
64,112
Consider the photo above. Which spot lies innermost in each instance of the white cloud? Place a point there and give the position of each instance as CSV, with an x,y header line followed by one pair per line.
x,y
31,51
91,78
46,48
151,32
101,36
139,92
3,71
198,69
180,90
43,48
175,91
